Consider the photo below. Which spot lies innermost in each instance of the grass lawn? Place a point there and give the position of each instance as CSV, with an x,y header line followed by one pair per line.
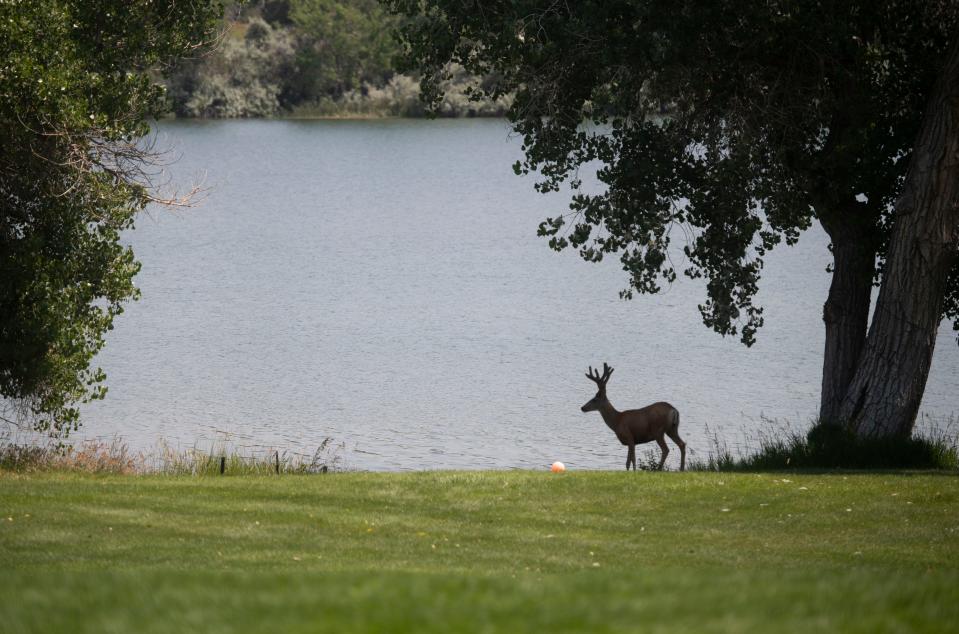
x,y
480,552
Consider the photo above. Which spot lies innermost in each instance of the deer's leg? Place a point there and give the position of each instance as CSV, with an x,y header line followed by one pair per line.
x,y
631,456
662,446
674,434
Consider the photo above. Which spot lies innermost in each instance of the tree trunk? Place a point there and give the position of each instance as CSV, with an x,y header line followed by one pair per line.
x,y
884,396
846,315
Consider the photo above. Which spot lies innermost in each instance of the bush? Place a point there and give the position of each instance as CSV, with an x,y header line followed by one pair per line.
x,y
400,97
245,77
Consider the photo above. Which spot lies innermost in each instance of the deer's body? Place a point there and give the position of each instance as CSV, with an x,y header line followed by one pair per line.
x,y
637,426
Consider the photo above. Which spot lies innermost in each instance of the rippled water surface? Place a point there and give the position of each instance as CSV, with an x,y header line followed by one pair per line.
x,y
381,283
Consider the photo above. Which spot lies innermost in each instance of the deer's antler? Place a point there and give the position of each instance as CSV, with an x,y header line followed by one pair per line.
x,y
593,375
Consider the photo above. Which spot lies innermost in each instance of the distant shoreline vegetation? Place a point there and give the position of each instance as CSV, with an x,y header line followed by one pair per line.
x,y
309,59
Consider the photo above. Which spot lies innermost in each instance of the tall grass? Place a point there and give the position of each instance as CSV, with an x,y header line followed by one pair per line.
x,y
115,456
87,457
195,461
780,446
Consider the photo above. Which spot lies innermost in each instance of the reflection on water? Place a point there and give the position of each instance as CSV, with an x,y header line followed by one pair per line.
x,y
381,283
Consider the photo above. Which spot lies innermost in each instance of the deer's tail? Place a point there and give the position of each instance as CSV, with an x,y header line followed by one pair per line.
x,y
674,421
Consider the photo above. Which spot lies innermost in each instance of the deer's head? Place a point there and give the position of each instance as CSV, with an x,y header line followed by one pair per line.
x,y
593,375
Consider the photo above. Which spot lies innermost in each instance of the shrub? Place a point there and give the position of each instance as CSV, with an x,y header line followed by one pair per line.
x,y
245,77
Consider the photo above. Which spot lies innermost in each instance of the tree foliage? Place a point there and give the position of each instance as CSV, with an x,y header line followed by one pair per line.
x,y
75,96
345,44
779,112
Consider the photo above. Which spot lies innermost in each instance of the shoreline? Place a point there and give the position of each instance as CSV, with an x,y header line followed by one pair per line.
x,y
334,117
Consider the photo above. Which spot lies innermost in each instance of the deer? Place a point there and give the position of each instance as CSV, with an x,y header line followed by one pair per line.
x,y
637,426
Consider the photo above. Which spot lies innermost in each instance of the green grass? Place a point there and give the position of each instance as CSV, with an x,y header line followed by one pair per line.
x,y
480,552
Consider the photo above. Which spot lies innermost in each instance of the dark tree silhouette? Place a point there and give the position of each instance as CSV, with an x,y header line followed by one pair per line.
x,y
777,114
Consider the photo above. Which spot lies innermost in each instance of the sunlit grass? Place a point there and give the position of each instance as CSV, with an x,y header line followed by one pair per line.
x,y
489,551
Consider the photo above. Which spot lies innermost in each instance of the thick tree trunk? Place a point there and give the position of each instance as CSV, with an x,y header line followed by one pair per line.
x,y
846,315
884,395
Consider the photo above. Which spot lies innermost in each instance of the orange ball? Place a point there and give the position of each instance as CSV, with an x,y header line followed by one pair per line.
x,y
558,467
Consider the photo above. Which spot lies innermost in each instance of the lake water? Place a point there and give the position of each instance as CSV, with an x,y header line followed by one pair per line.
x,y
381,283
